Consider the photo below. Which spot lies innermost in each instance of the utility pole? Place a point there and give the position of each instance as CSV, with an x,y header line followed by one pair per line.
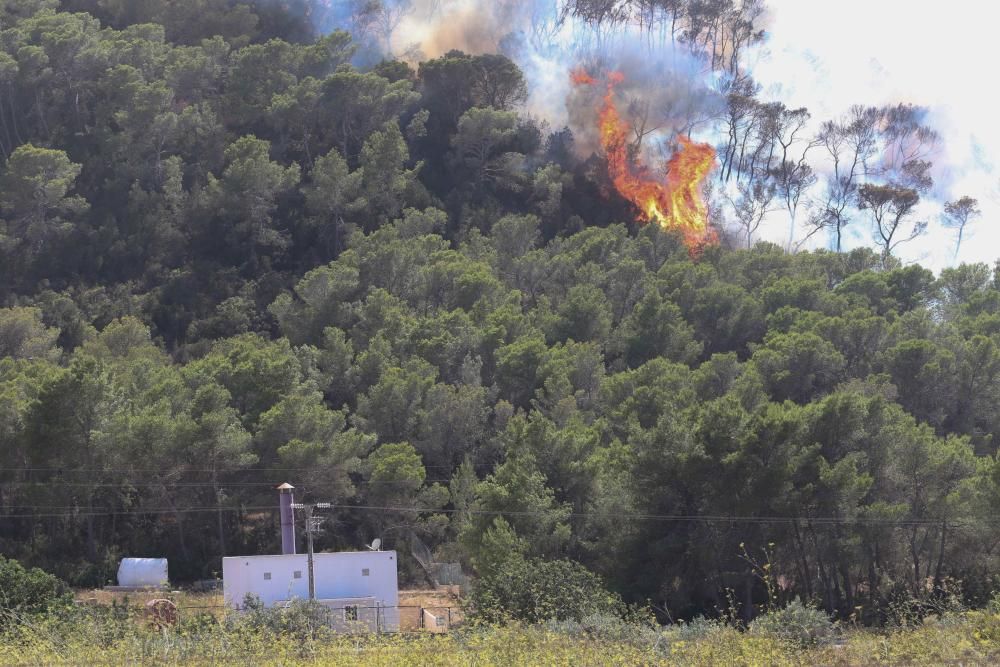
x,y
312,525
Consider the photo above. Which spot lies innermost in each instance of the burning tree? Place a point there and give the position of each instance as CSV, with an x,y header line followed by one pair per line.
x,y
678,203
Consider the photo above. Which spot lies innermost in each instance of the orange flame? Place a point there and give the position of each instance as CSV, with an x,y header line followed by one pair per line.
x,y
677,204
580,77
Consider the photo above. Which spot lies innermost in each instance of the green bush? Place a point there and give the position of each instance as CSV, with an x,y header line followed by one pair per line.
x,y
905,608
608,627
86,574
28,591
984,626
199,624
797,623
105,625
536,590
694,630
303,619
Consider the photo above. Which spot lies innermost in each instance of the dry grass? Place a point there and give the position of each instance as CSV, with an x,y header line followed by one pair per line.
x,y
180,598
967,640
442,603
971,638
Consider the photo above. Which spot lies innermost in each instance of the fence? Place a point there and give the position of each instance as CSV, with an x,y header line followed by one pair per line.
x,y
346,618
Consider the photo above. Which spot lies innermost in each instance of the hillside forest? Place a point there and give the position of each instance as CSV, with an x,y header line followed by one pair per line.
x,y
235,254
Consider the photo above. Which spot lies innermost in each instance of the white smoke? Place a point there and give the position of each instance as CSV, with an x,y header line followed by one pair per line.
x,y
670,89
898,52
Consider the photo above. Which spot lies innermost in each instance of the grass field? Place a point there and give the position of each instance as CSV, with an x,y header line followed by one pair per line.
x,y
117,636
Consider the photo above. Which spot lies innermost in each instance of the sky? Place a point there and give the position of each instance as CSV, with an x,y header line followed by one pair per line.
x,y
828,55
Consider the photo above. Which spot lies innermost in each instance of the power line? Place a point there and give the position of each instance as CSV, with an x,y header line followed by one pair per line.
x,y
107,513
181,468
220,485
953,522
714,518
104,485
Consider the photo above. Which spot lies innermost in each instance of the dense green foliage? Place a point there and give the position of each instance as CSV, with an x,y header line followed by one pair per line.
x,y
231,261
28,592
796,623
539,590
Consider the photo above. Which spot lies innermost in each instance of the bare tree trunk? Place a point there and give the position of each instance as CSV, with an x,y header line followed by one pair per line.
x,y
218,514
873,578
179,519
845,575
915,556
91,536
827,588
938,578
803,559
13,117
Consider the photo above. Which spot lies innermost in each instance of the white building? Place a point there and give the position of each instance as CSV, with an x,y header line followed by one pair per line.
x,y
360,587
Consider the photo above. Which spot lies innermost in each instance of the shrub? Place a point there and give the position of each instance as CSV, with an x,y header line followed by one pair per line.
x,y
797,623
105,626
303,619
28,591
202,623
86,574
608,627
985,628
535,590
906,609
694,630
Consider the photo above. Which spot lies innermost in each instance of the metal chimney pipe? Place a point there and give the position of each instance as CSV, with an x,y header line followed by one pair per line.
x,y
287,519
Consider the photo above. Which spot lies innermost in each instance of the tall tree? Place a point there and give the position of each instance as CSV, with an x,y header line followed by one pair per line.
x,y
244,200
891,208
957,215
36,202
850,143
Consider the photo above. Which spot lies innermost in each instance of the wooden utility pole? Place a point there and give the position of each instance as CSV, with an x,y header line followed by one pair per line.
x,y
312,525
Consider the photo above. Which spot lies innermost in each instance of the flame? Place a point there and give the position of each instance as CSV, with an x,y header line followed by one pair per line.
x,y
676,204
581,77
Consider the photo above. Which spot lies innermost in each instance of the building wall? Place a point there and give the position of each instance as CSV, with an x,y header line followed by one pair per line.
x,y
350,574
356,615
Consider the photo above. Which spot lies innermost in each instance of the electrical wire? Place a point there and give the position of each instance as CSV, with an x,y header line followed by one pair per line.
x,y
953,522
65,469
220,485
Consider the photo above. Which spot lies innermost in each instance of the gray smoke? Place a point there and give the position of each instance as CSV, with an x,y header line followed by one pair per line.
x,y
666,89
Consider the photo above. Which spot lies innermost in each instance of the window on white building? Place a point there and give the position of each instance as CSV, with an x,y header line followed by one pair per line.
x,y
297,574
267,576
365,572
351,613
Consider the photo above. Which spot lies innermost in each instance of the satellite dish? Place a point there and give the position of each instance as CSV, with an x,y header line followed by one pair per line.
x,y
376,545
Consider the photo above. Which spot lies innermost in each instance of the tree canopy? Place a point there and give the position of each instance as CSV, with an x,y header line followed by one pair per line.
x,y
231,258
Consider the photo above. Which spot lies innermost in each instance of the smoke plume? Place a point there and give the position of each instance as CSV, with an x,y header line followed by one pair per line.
x,y
667,90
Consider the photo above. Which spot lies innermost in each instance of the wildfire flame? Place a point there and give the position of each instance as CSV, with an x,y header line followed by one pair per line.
x,y
676,204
